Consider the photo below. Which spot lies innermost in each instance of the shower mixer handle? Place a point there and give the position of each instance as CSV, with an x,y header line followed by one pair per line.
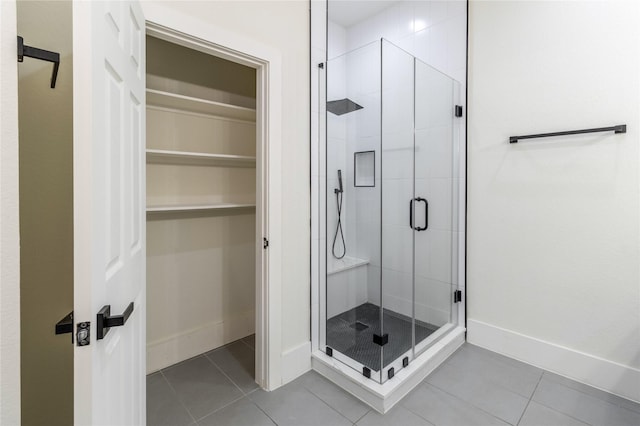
x,y
426,214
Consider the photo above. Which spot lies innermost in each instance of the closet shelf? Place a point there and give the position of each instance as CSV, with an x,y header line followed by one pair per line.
x,y
196,207
163,99
160,156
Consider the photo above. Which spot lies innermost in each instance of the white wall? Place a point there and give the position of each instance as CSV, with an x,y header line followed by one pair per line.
x,y
9,238
553,224
284,26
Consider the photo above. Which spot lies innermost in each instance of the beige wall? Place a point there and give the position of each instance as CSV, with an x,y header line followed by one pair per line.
x,y
284,25
553,236
213,77
46,215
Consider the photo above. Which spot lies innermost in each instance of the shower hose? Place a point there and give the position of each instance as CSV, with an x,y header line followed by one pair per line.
x,y
339,228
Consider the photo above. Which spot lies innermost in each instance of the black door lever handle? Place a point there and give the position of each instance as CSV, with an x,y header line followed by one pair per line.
x,y
65,325
105,320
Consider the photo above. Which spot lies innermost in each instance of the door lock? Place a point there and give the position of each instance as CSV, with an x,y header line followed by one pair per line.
x,y
83,334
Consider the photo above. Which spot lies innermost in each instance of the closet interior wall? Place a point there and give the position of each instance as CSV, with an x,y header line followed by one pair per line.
x,y
201,196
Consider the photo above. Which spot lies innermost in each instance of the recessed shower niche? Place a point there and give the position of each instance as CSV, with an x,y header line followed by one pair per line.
x,y
364,168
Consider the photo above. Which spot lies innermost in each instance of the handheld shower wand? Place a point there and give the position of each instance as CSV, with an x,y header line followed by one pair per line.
x,y
339,191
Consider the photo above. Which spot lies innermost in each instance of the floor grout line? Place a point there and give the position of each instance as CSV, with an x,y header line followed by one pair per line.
x,y
177,397
221,408
562,412
399,403
327,404
465,401
550,378
226,375
362,416
265,413
242,340
530,398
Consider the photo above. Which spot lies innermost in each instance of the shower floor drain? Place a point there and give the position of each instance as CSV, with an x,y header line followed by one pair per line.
x,y
359,326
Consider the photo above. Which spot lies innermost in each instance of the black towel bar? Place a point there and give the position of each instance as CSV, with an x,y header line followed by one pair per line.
x,y
621,128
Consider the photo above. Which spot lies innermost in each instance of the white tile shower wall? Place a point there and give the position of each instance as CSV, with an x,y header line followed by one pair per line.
x,y
336,128
346,290
363,134
435,32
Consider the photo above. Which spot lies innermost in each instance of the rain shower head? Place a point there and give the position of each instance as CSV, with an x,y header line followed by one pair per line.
x,y
342,106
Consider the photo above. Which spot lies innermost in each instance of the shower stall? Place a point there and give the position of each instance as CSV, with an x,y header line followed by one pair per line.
x,y
389,213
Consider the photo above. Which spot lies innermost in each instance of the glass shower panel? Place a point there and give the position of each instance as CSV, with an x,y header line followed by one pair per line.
x,y
353,208
391,218
437,182
401,210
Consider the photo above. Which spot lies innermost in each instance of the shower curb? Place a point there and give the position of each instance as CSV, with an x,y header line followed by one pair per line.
x,y
382,397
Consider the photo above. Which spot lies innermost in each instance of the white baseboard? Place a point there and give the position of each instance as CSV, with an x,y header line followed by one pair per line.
x,y
189,343
296,362
603,374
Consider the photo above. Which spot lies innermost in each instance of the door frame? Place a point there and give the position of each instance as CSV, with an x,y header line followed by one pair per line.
x,y
195,34
9,220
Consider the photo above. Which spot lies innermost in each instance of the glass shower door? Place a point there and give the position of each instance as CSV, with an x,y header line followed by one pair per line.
x,y
436,181
419,213
399,207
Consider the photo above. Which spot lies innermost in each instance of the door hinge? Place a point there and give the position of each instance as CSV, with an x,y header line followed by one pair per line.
x,y
458,110
366,372
457,296
381,340
265,243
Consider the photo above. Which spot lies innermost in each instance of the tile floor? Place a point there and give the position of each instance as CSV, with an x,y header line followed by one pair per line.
x,y
474,387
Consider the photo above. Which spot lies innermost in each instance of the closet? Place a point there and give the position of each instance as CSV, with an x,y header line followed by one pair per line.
x,y
201,198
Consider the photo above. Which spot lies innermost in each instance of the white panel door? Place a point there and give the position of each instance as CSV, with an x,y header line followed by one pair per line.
x,y
109,209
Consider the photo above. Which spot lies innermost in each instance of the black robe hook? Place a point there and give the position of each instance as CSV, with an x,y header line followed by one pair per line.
x,y
45,55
